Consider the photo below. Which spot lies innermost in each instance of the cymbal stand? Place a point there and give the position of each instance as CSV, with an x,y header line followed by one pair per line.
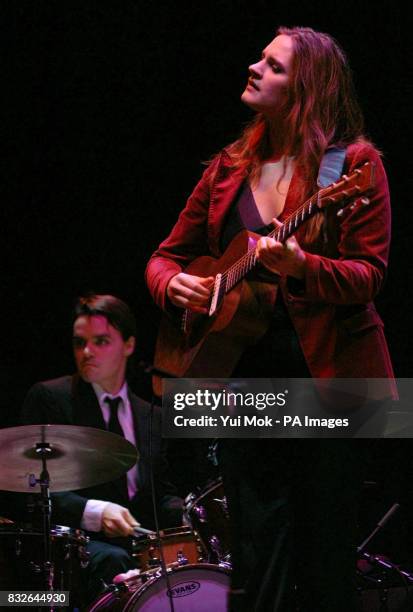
x,y
43,450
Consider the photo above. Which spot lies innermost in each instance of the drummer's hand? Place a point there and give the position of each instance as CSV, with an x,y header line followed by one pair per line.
x,y
117,521
189,291
282,258
126,576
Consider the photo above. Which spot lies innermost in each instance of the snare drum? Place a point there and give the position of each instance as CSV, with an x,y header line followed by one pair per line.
x,y
208,515
193,588
180,545
24,549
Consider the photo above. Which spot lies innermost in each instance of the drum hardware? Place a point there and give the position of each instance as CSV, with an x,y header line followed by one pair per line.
x,y
380,581
207,513
215,545
226,565
385,564
200,513
212,455
181,559
84,557
224,505
43,450
382,585
35,568
18,548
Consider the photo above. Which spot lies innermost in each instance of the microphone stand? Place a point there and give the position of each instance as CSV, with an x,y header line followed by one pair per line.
x,y
379,526
382,563
152,370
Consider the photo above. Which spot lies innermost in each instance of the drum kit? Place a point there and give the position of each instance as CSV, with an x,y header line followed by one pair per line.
x,y
180,569
196,559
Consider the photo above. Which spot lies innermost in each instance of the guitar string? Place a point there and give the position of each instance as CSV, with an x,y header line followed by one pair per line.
x,y
248,260
240,265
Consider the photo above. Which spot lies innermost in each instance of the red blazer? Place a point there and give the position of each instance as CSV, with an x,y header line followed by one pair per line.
x,y
340,331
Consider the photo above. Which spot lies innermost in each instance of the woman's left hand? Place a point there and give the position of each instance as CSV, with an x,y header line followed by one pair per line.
x,y
282,258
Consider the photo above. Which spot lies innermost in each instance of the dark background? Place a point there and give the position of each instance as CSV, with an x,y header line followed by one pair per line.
x,y
109,108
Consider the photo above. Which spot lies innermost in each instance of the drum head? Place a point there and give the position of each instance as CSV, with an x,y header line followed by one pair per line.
x,y
194,588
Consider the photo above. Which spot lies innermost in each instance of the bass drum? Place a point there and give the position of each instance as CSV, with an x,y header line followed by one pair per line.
x,y
194,588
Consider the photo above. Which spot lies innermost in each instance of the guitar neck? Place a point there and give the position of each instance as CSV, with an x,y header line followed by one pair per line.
x,y
247,262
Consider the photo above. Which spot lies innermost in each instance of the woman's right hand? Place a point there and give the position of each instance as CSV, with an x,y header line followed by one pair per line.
x,y
189,291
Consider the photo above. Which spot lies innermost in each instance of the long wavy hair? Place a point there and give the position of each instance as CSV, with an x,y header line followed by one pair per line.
x,y
322,110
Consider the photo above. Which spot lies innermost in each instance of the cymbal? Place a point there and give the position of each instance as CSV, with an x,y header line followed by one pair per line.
x,y
79,457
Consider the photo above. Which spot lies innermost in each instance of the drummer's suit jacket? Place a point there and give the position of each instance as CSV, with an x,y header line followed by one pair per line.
x,y
71,401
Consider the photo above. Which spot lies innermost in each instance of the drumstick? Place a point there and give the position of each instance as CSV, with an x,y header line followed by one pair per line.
x,y
138,530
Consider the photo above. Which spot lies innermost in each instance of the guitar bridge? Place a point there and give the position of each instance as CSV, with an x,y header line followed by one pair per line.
x,y
215,295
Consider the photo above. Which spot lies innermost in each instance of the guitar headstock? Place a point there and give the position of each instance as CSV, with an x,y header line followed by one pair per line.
x,y
348,187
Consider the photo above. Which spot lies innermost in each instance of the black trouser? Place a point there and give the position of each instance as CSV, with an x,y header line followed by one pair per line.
x,y
105,562
292,505
292,502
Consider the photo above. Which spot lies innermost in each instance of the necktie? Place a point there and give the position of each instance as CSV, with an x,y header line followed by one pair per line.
x,y
114,425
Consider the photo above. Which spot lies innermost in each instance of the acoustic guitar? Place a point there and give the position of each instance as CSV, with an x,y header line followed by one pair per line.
x,y
240,307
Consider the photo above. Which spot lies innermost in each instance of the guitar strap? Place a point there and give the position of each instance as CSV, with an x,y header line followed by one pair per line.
x,y
331,167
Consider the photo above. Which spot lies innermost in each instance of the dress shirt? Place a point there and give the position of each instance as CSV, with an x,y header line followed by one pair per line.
x,y
92,514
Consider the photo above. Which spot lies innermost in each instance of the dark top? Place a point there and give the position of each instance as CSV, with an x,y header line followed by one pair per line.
x,y
278,351
243,214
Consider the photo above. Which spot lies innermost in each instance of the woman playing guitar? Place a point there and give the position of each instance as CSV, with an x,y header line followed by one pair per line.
x,y
291,502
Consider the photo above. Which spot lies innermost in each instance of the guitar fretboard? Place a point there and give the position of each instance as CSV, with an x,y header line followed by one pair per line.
x,y
247,262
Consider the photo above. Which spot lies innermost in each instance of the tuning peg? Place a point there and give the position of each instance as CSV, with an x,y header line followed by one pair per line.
x,y
340,212
353,206
365,201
